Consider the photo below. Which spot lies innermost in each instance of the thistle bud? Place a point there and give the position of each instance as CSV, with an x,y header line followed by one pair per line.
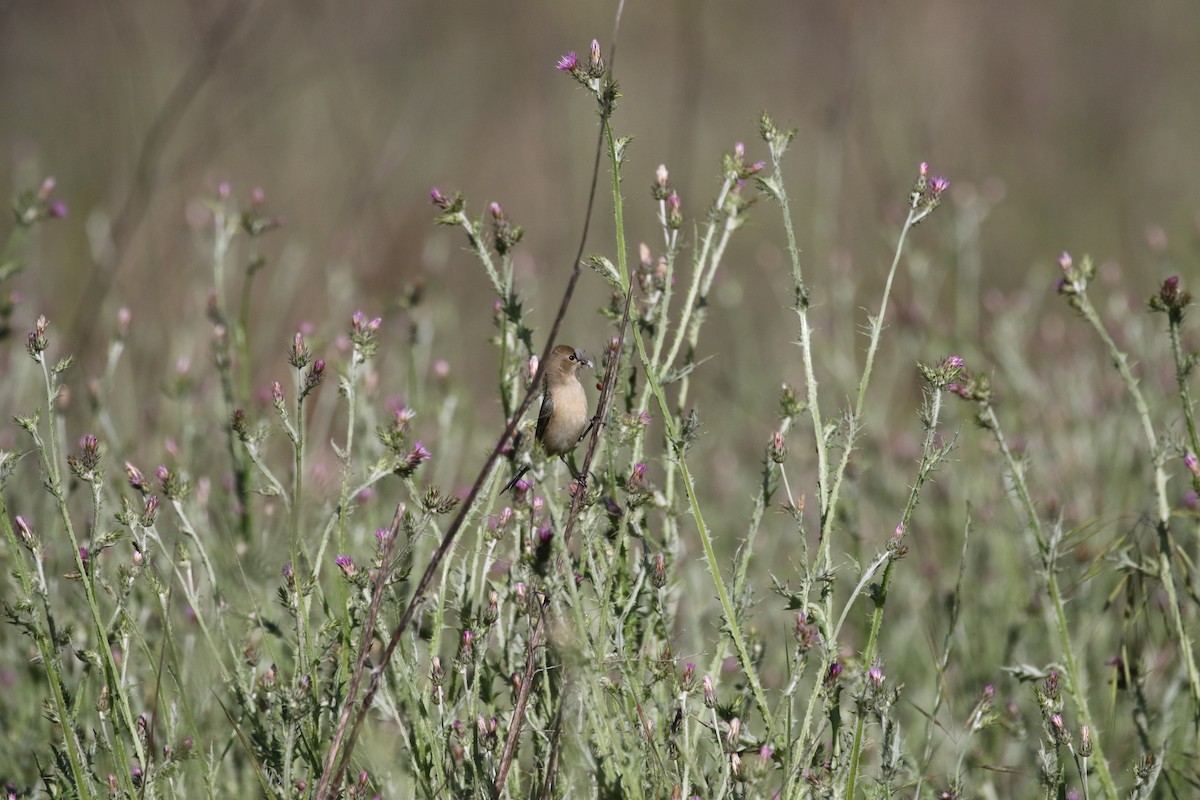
x,y
658,577
25,533
777,449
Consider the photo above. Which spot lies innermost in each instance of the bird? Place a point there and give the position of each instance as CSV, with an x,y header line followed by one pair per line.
x,y
564,418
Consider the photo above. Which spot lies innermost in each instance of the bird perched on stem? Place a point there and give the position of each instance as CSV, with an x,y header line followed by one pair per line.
x,y
565,416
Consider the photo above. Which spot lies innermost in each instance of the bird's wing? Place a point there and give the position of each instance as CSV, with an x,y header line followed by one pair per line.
x,y
545,414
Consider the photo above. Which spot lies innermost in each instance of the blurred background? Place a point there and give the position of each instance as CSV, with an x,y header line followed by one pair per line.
x,y
1060,126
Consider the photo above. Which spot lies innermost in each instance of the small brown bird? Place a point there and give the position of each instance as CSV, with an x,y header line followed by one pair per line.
x,y
565,415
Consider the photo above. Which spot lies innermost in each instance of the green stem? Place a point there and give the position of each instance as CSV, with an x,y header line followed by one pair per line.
x,y
301,573
1166,546
710,556
1182,368
1074,677
652,380
49,658
224,231
930,456
49,458
334,518
732,223
824,552
805,340
186,525
351,409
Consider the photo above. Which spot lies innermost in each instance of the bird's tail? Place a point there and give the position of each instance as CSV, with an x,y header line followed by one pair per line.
x,y
520,474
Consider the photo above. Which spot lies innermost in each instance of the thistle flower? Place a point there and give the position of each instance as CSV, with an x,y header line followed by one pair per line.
x,y
568,63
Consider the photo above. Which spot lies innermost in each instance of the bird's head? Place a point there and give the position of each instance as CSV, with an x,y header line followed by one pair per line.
x,y
566,360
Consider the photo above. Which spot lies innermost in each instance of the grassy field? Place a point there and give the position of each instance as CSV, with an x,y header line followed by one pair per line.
x,y
890,534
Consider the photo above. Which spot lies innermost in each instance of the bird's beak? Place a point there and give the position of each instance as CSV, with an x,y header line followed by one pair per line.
x,y
582,357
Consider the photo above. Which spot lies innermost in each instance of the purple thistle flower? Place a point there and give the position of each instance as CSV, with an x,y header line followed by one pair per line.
x,y
136,479
416,457
568,63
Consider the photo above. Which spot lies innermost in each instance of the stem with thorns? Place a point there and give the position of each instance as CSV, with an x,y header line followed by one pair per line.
x,y
1166,546
931,455
1048,552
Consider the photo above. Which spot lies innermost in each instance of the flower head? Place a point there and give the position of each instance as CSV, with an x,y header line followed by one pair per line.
x,y
568,63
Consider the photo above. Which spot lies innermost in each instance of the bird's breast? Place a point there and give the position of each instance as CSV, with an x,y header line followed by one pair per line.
x,y
569,419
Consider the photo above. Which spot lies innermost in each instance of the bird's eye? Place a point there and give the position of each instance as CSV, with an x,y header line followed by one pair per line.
x,y
571,357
